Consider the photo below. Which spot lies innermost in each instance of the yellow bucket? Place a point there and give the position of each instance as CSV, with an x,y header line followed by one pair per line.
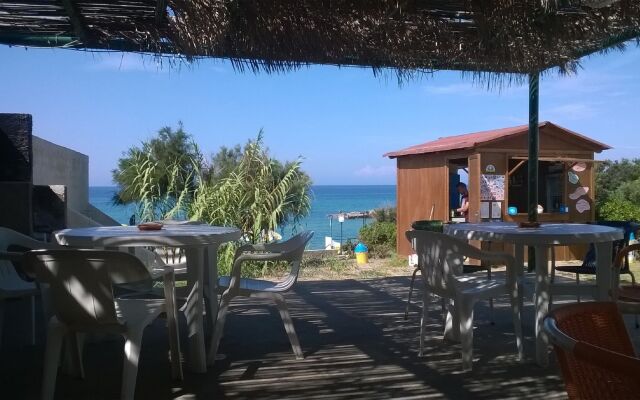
x,y
362,258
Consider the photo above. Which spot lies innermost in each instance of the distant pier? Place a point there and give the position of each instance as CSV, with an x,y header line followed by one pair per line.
x,y
352,214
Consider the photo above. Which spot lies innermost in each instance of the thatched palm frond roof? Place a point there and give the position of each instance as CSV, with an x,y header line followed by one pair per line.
x,y
497,36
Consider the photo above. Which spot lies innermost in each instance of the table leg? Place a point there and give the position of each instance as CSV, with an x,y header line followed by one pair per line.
x,y
519,273
452,323
542,304
194,310
211,275
604,276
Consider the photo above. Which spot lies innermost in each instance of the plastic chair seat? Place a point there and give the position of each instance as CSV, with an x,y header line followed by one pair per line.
x,y
472,269
133,310
480,287
256,285
577,269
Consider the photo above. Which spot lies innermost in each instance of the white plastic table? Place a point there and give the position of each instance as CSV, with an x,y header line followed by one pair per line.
x,y
542,239
200,243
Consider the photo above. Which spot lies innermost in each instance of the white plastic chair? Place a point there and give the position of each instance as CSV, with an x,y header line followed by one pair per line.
x,y
81,292
234,286
441,259
175,257
12,286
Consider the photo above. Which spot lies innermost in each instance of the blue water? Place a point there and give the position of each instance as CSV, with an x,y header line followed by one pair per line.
x,y
326,200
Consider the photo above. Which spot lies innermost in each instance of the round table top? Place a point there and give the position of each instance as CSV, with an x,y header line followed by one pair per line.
x,y
546,234
131,236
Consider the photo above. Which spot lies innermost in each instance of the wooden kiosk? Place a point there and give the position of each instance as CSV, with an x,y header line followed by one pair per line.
x,y
495,163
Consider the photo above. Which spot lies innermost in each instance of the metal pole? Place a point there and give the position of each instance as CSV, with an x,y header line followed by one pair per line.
x,y
534,149
340,237
534,145
331,227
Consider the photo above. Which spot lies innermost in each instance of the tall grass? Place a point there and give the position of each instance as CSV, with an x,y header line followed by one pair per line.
x,y
160,190
256,197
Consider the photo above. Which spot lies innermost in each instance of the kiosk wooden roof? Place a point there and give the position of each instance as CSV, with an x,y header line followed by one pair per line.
x,y
487,138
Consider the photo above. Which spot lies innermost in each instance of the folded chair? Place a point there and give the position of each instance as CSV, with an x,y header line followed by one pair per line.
x,y
625,293
594,351
233,286
588,266
13,285
441,259
80,288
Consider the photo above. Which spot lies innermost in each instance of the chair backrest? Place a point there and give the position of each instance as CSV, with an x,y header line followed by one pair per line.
x,y
81,283
12,241
619,265
290,250
440,258
293,250
594,351
629,227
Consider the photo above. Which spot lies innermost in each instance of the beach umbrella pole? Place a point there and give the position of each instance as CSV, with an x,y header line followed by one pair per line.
x,y
534,149
534,145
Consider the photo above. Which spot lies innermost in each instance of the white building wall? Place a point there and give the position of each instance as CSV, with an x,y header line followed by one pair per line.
x,y
57,165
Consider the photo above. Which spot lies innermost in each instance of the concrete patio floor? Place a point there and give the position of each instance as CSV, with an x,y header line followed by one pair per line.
x,y
356,343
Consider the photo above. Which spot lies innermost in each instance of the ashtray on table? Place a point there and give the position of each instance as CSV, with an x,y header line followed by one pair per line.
x,y
150,226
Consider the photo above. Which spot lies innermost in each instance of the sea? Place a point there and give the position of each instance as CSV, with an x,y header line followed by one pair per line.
x,y
326,200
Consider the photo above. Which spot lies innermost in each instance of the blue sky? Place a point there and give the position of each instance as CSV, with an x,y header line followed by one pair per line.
x,y
340,119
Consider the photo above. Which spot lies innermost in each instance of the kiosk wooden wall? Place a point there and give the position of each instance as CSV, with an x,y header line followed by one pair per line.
x,y
423,181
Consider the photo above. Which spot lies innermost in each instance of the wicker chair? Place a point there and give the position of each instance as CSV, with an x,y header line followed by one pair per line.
x,y
594,351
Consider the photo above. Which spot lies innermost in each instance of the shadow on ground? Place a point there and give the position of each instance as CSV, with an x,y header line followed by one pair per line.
x,y
356,342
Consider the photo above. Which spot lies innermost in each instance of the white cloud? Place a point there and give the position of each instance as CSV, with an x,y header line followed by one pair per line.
x,y
377,171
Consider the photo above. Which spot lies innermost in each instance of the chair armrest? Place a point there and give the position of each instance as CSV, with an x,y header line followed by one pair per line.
x,y
262,247
496,257
158,272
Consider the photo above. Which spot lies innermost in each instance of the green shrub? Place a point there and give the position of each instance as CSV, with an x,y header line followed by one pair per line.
x,y
348,247
385,214
380,237
620,209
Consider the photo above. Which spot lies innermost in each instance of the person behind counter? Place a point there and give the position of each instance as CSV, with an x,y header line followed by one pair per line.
x,y
464,200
